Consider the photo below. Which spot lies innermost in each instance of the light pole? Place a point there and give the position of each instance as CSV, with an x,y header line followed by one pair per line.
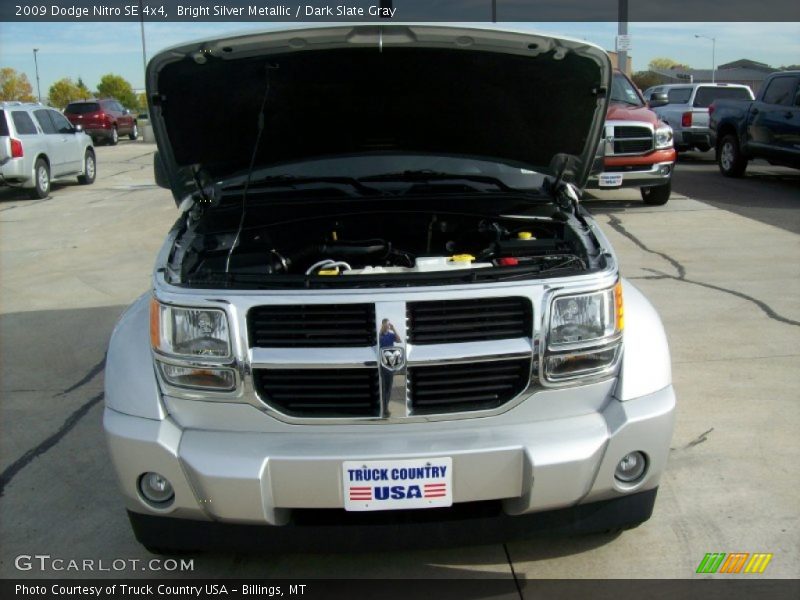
x,y
713,55
36,62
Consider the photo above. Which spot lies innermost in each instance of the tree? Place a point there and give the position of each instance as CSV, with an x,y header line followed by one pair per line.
x,y
64,91
85,93
646,79
141,98
15,86
115,86
666,64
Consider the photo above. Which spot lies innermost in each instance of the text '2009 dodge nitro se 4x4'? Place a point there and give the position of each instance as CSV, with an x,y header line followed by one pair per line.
x,y
382,294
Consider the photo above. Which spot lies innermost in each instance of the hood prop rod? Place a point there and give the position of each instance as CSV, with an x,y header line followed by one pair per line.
x,y
260,130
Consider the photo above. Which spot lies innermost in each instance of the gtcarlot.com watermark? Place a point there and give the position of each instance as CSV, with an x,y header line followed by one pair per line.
x,y
46,562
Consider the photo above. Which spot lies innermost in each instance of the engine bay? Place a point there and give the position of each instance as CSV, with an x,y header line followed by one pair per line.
x,y
364,247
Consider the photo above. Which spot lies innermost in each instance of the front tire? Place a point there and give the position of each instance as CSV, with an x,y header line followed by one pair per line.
x,y
114,136
41,177
730,160
657,195
89,169
134,132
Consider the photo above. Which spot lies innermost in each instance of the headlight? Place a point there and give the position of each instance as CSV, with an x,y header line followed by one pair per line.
x,y
191,345
189,332
663,137
584,335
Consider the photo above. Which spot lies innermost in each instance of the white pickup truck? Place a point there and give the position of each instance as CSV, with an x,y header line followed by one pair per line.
x,y
686,109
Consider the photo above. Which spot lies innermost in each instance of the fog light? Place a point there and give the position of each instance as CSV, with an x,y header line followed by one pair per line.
x,y
156,488
631,467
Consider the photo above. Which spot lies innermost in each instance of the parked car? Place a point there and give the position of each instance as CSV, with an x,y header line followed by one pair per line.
x,y
768,127
104,119
383,294
686,109
637,146
37,145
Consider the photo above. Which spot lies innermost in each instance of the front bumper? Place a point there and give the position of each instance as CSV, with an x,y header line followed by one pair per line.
x,y
261,478
615,177
331,531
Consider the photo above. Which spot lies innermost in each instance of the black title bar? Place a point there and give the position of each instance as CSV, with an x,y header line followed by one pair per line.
x,y
399,10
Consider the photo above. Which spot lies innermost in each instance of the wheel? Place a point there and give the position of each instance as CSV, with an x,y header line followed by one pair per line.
x,y
114,136
134,132
41,177
89,169
657,195
729,157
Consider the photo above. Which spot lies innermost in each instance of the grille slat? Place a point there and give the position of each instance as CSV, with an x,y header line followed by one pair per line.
x,y
320,392
632,131
312,326
471,320
632,139
460,387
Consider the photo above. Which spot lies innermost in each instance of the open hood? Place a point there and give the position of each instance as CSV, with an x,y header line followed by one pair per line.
x,y
522,99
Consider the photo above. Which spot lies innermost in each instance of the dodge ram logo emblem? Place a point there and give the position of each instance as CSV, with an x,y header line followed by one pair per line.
x,y
393,358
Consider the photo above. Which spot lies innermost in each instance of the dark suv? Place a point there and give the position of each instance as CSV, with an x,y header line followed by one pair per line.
x,y
104,119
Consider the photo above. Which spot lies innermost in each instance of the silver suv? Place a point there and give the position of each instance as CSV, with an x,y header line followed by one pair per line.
x,y
382,295
38,144
685,109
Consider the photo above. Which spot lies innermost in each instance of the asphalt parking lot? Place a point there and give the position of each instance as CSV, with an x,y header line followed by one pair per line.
x,y
721,262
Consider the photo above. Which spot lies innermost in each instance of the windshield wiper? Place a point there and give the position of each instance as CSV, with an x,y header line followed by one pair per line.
x,y
427,176
293,181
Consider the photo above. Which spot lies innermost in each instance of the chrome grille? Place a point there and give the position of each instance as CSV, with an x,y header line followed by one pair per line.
x,y
315,362
629,139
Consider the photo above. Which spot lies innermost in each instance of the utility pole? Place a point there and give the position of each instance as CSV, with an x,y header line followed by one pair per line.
x,y
713,55
144,52
38,87
622,29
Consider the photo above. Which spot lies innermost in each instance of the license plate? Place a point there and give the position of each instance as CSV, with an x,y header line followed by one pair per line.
x,y
397,484
610,179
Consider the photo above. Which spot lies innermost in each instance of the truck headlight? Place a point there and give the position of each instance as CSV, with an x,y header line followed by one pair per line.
x,y
189,332
584,335
191,345
663,137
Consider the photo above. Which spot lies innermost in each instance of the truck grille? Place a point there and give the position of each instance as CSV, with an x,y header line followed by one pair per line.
x,y
631,139
466,387
312,326
320,392
479,319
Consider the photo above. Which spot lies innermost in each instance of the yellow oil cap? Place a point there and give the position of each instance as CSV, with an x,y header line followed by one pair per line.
x,y
462,258
525,235
333,271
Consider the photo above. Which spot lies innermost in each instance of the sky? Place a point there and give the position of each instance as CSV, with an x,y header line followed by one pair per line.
x,y
90,50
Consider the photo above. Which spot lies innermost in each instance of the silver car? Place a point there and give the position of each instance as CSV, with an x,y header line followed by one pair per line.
x,y
382,295
38,144
686,109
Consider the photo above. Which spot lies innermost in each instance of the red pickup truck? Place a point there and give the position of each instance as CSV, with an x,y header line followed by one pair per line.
x,y
638,148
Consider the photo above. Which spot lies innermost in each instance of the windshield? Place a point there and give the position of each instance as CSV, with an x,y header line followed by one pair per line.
x,y
367,166
706,95
623,91
82,108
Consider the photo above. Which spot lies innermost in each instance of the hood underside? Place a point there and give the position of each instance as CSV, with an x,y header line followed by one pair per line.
x,y
516,98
